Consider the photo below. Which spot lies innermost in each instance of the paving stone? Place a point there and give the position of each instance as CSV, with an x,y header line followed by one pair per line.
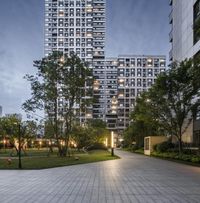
x,y
133,178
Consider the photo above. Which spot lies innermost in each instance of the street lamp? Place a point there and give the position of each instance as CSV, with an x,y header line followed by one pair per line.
x,y
40,143
106,142
19,147
112,143
32,144
4,144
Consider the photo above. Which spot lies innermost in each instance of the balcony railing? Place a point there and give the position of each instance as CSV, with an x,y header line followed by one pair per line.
x,y
171,55
171,17
171,36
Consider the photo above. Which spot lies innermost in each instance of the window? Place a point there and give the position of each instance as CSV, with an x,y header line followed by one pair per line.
x,y
147,143
197,58
196,26
139,63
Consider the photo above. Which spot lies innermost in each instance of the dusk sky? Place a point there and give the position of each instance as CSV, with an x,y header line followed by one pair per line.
x,y
133,27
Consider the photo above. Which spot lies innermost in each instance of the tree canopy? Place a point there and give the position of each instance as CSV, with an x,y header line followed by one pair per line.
x,y
60,87
170,104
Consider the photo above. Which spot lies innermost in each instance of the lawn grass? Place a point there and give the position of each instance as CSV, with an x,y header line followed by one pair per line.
x,y
35,162
29,152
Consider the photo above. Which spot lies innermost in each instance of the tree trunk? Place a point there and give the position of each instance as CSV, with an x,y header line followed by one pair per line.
x,y
68,121
50,149
56,129
67,145
16,150
180,146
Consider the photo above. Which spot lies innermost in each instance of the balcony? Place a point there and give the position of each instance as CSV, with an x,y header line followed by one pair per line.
x,y
171,36
171,17
171,55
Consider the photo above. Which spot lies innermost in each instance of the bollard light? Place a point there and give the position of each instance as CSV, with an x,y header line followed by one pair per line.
x,y
112,143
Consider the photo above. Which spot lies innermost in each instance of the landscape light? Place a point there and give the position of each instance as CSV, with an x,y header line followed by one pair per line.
x,y
106,142
112,143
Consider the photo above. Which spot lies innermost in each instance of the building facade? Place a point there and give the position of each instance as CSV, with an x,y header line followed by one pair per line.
x,y
118,81
136,74
184,35
75,26
79,26
185,40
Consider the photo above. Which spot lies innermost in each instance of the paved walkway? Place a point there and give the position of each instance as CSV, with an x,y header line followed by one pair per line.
x,y
134,178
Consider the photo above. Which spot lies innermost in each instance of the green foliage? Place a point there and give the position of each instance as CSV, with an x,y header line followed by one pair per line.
x,y
81,136
169,105
8,126
60,78
98,130
97,146
129,136
9,129
164,146
94,132
143,123
176,156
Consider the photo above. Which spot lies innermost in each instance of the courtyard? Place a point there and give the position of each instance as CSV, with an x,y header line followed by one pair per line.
x,y
133,178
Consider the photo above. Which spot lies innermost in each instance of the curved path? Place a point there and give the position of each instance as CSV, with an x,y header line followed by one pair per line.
x,y
133,178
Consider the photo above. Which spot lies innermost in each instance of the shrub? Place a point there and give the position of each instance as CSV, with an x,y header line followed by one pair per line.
x,y
155,147
185,157
195,159
96,146
140,150
164,146
135,147
173,155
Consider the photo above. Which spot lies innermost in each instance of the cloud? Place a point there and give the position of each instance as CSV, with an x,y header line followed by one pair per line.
x,y
137,27
2,52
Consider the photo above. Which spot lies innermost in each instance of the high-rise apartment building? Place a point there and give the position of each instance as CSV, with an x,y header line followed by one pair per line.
x,y
135,75
185,33
185,39
79,26
120,80
75,26
105,75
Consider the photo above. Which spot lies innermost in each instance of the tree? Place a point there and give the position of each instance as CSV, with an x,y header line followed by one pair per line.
x,y
98,131
44,87
30,129
93,132
56,88
174,98
129,136
76,90
143,123
10,130
81,136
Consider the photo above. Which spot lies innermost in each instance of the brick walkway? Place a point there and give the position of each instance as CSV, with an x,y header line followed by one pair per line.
x,y
134,178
